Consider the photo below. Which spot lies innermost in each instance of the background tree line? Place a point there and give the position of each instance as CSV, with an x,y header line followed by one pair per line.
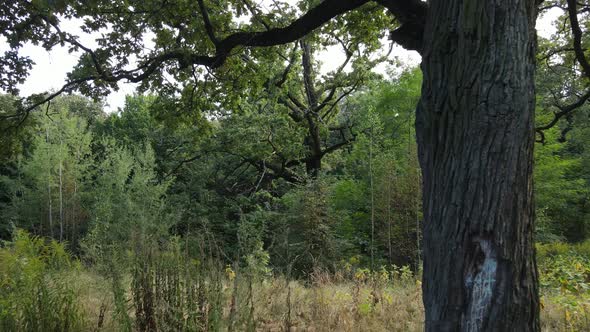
x,y
73,170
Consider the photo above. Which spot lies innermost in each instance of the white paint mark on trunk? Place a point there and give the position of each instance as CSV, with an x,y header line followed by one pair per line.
x,y
482,288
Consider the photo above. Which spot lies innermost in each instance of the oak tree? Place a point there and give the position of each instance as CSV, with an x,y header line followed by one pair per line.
x,y
474,123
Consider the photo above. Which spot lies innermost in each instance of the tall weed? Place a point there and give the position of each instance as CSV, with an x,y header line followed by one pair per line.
x,y
35,292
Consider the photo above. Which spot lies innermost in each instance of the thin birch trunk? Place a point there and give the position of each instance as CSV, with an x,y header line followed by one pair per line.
x,y
61,204
50,216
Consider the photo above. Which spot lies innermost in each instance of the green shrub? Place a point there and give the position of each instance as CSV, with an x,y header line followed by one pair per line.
x,y
548,250
564,268
35,294
564,275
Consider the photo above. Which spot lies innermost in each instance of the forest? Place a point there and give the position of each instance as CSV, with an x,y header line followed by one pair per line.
x,y
281,188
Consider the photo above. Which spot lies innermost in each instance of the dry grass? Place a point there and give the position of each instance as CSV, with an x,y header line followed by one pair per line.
x,y
345,306
97,302
327,305
560,313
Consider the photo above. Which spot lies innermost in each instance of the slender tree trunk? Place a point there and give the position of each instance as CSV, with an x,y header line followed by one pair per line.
x,y
389,202
415,171
50,212
61,196
372,202
417,210
74,221
50,206
475,138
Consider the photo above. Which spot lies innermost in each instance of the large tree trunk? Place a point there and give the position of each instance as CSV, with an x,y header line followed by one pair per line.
x,y
475,134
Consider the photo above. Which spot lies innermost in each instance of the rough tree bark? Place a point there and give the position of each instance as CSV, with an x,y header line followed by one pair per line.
x,y
475,133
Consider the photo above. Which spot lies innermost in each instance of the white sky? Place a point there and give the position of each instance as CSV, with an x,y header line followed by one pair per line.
x,y
50,69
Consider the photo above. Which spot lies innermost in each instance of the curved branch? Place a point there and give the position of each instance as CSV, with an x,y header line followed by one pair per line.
x,y
338,146
300,27
207,21
25,113
288,68
581,59
411,14
563,111
342,96
310,21
577,34
255,14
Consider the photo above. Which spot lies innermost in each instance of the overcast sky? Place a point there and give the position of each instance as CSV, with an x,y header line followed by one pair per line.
x,y
50,69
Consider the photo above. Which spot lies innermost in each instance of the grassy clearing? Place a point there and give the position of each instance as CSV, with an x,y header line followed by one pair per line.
x,y
332,305
279,306
43,289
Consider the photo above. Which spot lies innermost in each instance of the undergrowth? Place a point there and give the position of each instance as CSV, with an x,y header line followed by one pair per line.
x,y
564,272
36,293
43,289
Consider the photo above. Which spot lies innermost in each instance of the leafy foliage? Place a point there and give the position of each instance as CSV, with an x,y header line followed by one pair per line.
x,y
35,294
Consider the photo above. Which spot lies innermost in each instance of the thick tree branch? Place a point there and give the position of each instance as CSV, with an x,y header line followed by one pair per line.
x,y
563,111
207,22
334,86
308,79
296,101
581,59
300,27
411,14
337,146
577,34
296,114
288,68
183,162
310,21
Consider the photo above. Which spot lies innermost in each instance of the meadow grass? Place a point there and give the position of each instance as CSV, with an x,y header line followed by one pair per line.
x,y
43,289
328,305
